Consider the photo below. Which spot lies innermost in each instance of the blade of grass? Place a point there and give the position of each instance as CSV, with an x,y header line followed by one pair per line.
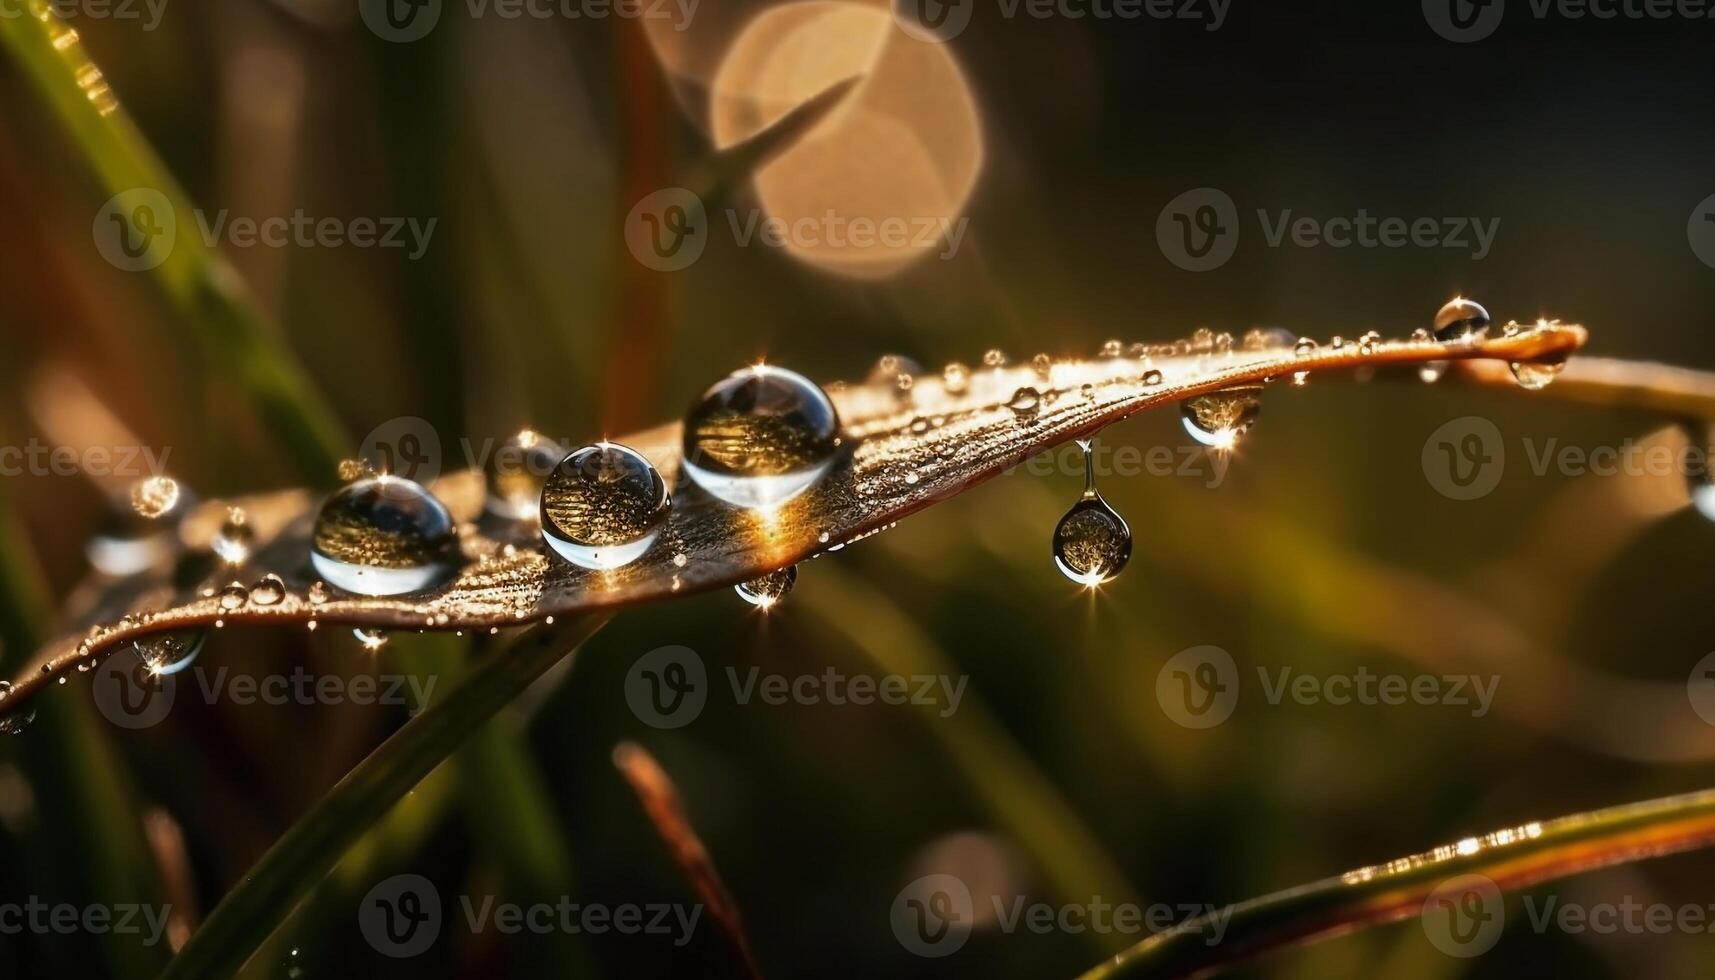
x,y
205,295
306,853
1512,859
1003,779
94,831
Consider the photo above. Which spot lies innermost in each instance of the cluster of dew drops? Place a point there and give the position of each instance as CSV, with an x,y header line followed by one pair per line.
x,y
755,440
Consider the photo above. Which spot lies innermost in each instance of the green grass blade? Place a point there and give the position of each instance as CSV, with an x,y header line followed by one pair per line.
x,y
305,854
204,293
1510,860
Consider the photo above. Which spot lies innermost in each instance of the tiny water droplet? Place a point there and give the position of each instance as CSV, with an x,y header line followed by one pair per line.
x,y
235,538
1043,365
1422,335
1305,347
1151,378
269,591
384,535
1092,543
233,596
1025,403
1700,475
994,358
1461,321
956,378
1221,418
604,506
355,469
14,722
515,473
370,639
1269,338
1338,343
761,437
889,369
765,591
1536,375
169,653
1113,348
318,593
155,497
1431,371
1368,342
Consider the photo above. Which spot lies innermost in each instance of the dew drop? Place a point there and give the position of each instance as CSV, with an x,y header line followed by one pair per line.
x,y
1220,419
1700,468
1092,543
765,591
233,597
1025,403
1043,365
14,722
994,358
515,473
169,653
232,543
1461,321
371,640
269,591
761,437
891,368
956,378
384,535
139,536
318,593
1432,371
155,497
1536,375
1269,338
355,469
1367,344
603,506
1151,378
1113,348
1305,347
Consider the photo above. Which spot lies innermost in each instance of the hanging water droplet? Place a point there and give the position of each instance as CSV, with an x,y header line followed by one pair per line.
x,y
1431,371
14,722
603,506
1536,375
1221,418
515,474
235,538
761,437
384,535
956,378
154,497
765,591
1025,403
1092,543
371,640
994,358
169,653
269,591
1461,321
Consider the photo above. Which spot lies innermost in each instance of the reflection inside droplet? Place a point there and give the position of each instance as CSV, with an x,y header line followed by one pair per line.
x,y
604,506
384,535
760,437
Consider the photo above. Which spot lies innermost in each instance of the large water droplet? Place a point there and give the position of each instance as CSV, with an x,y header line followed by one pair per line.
x,y
516,472
384,535
1461,320
235,538
761,437
603,506
269,591
169,653
764,591
1092,542
1536,375
155,497
1220,419
140,535
14,722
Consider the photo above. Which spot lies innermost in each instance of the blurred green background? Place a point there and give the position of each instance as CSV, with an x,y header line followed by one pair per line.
x,y
1325,548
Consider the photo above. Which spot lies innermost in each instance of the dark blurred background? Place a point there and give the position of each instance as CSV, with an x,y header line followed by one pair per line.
x,y
1325,547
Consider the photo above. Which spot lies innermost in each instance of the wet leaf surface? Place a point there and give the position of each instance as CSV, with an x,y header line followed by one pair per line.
x,y
903,449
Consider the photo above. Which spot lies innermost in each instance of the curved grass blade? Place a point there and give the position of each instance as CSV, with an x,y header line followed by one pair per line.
x,y
904,451
302,857
205,293
1510,860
